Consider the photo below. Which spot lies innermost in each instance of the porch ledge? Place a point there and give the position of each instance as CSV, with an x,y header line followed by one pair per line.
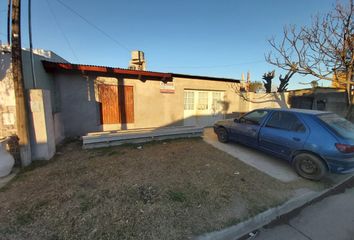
x,y
114,138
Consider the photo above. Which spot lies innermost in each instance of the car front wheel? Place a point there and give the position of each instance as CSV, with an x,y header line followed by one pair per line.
x,y
309,166
222,135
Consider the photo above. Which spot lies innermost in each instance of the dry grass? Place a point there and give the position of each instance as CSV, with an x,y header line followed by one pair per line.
x,y
167,190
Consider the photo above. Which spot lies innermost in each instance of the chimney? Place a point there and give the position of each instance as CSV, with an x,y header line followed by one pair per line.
x,y
137,61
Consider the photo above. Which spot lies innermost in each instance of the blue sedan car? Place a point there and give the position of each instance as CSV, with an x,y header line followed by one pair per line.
x,y
314,142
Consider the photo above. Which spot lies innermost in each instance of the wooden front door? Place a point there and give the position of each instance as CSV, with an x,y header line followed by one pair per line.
x,y
117,104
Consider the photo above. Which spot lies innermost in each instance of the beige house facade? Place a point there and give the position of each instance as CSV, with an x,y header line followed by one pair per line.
x,y
96,98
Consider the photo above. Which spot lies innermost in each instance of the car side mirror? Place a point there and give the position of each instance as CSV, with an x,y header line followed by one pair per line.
x,y
236,120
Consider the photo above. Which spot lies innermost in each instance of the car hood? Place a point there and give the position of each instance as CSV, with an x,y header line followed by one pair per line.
x,y
225,122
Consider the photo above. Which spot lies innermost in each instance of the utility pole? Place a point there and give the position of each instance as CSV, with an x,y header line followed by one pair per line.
x,y
20,94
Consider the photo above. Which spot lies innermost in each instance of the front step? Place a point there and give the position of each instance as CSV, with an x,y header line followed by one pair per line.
x,y
107,139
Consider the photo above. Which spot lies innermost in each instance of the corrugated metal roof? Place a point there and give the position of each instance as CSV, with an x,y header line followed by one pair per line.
x,y
71,67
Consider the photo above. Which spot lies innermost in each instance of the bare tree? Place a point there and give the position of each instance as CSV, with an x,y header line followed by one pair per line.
x,y
268,77
284,81
325,49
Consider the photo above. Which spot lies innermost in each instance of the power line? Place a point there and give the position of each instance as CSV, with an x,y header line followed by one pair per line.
x,y
61,30
93,25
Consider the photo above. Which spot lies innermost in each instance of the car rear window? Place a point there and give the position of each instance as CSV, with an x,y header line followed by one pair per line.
x,y
340,125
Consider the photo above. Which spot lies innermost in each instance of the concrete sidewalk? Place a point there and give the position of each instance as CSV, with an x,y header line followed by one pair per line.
x,y
272,166
330,218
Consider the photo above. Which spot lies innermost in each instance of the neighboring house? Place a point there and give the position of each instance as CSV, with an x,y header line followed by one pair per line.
x,y
7,95
320,98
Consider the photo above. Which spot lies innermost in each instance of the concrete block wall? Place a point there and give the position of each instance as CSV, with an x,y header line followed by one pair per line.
x,y
7,97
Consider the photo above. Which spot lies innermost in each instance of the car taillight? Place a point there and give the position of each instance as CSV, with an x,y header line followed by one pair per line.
x,y
345,148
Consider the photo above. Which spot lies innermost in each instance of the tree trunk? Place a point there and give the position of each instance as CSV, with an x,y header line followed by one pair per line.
x,y
349,115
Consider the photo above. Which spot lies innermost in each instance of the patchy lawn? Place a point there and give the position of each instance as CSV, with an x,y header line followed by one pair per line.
x,y
166,190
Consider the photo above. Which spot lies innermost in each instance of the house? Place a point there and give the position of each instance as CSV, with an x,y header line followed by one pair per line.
x,y
86,98
100,98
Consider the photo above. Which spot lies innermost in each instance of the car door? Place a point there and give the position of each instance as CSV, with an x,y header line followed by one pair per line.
x,y
246,129
282,134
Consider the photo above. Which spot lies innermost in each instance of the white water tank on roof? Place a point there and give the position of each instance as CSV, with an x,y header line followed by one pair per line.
x,y
137,61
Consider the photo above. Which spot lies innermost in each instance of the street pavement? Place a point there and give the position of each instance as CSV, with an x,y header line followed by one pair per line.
x,y
332,218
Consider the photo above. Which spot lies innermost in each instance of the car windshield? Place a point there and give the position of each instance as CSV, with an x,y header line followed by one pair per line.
x,y
342,126
255,117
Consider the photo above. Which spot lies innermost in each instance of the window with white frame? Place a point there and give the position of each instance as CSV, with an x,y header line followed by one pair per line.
x,y
202,101
216,101
188,100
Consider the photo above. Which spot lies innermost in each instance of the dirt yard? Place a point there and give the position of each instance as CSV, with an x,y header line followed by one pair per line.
x,y
166,190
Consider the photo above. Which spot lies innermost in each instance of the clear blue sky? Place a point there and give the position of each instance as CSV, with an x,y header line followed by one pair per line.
x,y
216,38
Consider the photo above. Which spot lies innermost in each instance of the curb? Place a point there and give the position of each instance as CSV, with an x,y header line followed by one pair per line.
x,y
264,218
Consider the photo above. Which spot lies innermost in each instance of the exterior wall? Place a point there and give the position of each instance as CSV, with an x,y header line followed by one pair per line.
x,y
333,100
80,110
231,102
7,94
7,97
59,133
267,100
151,108
43,79
78,107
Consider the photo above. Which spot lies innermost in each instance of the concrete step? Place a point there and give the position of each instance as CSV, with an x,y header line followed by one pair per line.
x,y
141,135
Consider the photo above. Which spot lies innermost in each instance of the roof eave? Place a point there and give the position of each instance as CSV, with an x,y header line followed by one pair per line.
x,y
205,78
55,67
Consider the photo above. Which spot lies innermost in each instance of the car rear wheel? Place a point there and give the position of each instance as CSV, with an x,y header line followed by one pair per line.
x,y
223,136
309,166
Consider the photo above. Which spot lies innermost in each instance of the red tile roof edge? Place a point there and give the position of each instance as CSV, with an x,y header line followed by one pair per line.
x,y
70,67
